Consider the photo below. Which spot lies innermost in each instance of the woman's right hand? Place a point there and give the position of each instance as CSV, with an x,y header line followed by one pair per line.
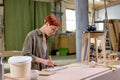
x,y
44,61
48,62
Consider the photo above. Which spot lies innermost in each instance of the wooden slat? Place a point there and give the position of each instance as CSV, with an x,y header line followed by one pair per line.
x,y
11,53
112,36
116,26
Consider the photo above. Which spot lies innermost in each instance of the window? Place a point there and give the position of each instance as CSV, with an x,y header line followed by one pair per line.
x,y
70,20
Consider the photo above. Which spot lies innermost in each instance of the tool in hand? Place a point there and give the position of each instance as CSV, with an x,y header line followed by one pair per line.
x,y
51,61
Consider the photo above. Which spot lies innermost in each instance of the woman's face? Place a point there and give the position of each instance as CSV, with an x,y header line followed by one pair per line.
x,y
51,30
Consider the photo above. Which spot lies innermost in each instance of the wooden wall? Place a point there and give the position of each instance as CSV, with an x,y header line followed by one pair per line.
x,y
66,41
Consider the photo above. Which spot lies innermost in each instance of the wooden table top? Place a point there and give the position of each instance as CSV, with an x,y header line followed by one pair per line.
x,y
74,72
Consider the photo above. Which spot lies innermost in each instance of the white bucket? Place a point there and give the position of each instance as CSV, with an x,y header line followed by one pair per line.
x,y
20,66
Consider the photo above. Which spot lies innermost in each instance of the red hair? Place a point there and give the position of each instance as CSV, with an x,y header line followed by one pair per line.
x,y
52,20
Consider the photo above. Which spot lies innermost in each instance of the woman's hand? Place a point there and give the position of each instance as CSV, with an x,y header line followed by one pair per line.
x,y
48,62
44,61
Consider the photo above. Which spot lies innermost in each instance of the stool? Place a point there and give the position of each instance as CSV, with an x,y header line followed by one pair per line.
x,y
88,36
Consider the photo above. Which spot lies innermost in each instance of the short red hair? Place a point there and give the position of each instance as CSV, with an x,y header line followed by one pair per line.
x,y
52,20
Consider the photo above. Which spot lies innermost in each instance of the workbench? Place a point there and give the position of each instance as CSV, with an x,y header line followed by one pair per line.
x,y
83,72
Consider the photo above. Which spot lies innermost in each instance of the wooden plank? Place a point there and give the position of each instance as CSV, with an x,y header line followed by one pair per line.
x,y
112,36
83,46
77,73
116,26
116,30
57,68
11,53
72,43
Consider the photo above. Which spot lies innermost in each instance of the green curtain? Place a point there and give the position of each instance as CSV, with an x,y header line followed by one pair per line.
x,y
41,12
22,16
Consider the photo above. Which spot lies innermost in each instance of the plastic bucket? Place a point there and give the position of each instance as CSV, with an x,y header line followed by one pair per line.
x,y
20,66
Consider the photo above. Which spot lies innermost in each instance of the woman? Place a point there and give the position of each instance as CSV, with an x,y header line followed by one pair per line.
x,y
35,44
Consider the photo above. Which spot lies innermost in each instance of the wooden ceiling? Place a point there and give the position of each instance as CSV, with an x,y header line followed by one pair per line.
x,y
100,4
